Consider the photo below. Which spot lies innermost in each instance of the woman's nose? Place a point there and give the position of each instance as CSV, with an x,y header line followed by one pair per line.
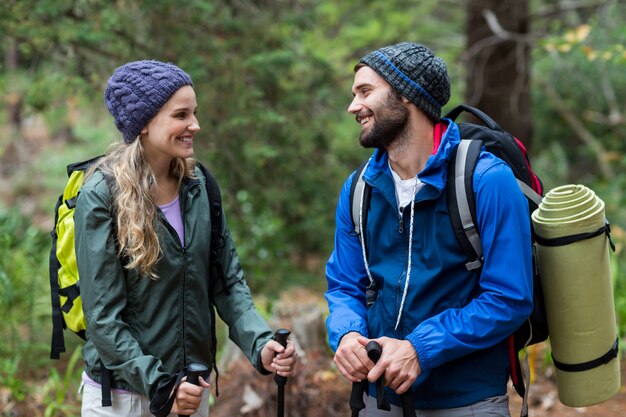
x,y
195,125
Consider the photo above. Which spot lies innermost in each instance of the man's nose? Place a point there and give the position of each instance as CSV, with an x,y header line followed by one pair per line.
x,y
355,106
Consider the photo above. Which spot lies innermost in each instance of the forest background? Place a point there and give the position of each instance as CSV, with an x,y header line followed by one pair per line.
x,y
273,81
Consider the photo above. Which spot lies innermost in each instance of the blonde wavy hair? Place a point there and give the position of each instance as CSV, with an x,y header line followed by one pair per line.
x,y
133,192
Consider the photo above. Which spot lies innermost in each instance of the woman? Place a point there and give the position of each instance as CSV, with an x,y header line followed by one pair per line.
x,y
143,243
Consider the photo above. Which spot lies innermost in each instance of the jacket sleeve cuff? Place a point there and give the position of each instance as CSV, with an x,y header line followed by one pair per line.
x,y
420,349
258,364
261,368
353,327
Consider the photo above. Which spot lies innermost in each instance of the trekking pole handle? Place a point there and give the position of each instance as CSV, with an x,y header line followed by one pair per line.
x,y
374,350
194,371
281,336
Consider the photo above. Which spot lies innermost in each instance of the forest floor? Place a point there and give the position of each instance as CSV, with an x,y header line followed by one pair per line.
x,y
318,390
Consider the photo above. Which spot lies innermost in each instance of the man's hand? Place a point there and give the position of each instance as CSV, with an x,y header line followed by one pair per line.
x,y
398,363
276,358
351,358
188,397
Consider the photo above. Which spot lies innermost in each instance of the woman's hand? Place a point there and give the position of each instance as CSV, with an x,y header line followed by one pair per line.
x,y
276,358
188,397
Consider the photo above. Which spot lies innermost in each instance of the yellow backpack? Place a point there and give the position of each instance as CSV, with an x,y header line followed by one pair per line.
x,y
67,306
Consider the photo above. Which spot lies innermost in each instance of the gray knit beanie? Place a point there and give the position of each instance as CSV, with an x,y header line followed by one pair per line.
x,y
414,71
137,90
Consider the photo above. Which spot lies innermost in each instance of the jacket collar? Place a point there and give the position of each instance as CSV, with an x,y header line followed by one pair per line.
x,y
435,172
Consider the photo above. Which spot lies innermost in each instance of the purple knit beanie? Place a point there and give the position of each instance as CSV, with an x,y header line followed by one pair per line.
x,y
414,71
137,90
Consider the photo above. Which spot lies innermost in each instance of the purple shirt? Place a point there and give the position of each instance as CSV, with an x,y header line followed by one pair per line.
x,y
175,218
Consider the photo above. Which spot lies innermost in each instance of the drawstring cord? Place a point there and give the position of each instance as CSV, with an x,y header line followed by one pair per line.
x,y
363,252
362,238
408,270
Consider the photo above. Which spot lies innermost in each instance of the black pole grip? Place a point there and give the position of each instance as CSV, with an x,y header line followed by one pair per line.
x,y
356,397
194,371
358,388
281,336
374,350
408,406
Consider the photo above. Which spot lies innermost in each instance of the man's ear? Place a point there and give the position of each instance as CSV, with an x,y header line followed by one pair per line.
x,y
144,130
405,100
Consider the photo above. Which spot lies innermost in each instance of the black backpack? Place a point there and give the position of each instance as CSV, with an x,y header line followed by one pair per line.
x,y
64,281
462,209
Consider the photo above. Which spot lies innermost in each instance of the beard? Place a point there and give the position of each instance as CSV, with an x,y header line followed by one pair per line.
x,y
388,123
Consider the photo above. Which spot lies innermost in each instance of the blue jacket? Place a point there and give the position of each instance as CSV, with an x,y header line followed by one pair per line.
x,y
457,320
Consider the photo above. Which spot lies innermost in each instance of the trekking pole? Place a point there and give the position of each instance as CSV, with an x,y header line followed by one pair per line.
x,y
281,336
194,371
358,388
374,350
356,397
408,406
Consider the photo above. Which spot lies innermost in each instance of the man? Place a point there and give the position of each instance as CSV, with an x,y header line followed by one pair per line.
x,y
442,328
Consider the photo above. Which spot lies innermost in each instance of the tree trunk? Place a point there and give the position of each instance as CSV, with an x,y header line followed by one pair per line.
x,y
498,63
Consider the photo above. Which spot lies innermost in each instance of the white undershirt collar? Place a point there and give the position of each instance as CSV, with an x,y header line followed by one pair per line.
x,y
405,189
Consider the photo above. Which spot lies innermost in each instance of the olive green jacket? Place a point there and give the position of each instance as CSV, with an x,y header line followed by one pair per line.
x,y
141,329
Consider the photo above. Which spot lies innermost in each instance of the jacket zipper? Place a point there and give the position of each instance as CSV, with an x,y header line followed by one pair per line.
x,y
183,202
184,291
184,250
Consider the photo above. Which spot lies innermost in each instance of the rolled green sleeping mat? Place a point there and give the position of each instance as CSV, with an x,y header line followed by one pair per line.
x,y
573,256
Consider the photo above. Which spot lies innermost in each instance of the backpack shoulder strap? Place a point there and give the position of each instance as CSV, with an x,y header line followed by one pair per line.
x,y
461,203
215,199
217,239
359,192
217,243
57,345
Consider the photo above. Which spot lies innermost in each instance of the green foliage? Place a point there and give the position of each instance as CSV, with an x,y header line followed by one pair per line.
x,y
10,376
59,387
581,69
24,305
23,249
